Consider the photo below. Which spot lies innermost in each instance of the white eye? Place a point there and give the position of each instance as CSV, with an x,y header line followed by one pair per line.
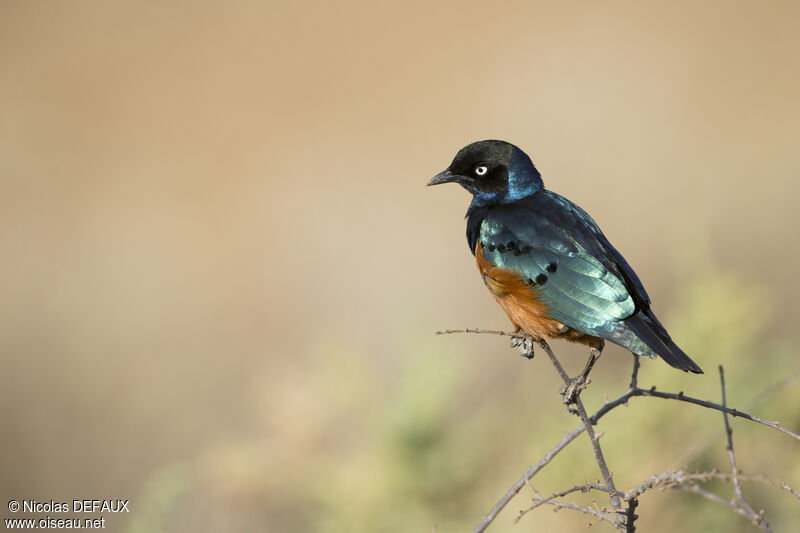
x,y
481,170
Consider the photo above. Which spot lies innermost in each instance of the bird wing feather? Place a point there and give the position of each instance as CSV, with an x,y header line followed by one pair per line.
x,y
565,255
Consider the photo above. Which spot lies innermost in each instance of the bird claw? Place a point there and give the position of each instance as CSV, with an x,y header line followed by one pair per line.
x,y
524,343
570,391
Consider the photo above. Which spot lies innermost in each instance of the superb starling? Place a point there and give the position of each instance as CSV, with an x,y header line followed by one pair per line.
x,y
547,263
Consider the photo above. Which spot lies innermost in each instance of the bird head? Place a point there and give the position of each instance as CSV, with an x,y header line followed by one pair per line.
x,y
495,172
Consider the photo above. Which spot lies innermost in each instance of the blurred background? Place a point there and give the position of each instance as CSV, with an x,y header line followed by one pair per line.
x,y
221,268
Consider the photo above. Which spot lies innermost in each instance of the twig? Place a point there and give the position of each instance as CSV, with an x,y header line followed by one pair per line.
x,y
635,374
581,411
476,330
587,510
532,471
533,489
678,480
586,487
713,497
673,478
737,486
750,405
653,393
738,494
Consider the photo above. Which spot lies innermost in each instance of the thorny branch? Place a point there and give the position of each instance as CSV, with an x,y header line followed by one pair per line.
x,y
624,519
738,495
581,411
539,501
678,478
588,510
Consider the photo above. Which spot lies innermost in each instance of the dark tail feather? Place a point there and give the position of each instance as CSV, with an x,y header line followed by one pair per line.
x,y
652,333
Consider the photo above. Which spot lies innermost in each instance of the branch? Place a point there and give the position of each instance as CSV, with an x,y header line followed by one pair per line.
x,y
532,471
476,330
586,487
750,405
738,494
678,480
652,392
581,412
713,497
587,510
675,478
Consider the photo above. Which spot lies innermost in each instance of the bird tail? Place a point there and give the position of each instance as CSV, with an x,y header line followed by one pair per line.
x,y
649,331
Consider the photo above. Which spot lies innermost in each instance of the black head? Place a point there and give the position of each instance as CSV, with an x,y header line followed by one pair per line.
x,y
495,172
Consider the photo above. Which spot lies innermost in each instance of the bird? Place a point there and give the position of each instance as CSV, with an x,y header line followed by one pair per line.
x,y
549,266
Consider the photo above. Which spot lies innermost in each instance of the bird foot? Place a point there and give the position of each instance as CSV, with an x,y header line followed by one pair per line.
x,y
570,391
524,343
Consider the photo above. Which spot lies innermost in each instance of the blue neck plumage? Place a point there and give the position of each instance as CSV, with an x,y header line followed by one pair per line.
x,y
523,180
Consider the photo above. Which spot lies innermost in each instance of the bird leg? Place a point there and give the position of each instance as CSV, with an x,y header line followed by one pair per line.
x,y
572,390
524,342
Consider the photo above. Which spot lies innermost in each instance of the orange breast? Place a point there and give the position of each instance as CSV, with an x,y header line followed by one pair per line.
x,y
522,303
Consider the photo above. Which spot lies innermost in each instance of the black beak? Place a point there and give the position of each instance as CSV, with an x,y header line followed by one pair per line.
x,y
446,177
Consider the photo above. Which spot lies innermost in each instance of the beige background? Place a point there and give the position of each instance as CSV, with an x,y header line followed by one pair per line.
x,y
221,269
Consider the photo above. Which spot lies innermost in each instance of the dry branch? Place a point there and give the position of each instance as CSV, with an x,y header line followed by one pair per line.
x,y
624,519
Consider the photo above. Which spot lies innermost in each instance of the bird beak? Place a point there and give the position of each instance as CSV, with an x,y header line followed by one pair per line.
x,y
445,177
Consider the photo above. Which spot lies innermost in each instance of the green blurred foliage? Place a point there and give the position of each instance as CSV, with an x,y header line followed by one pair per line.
x,y
159,497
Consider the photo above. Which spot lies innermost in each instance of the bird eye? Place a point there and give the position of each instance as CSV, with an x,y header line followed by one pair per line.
x,y
481,170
